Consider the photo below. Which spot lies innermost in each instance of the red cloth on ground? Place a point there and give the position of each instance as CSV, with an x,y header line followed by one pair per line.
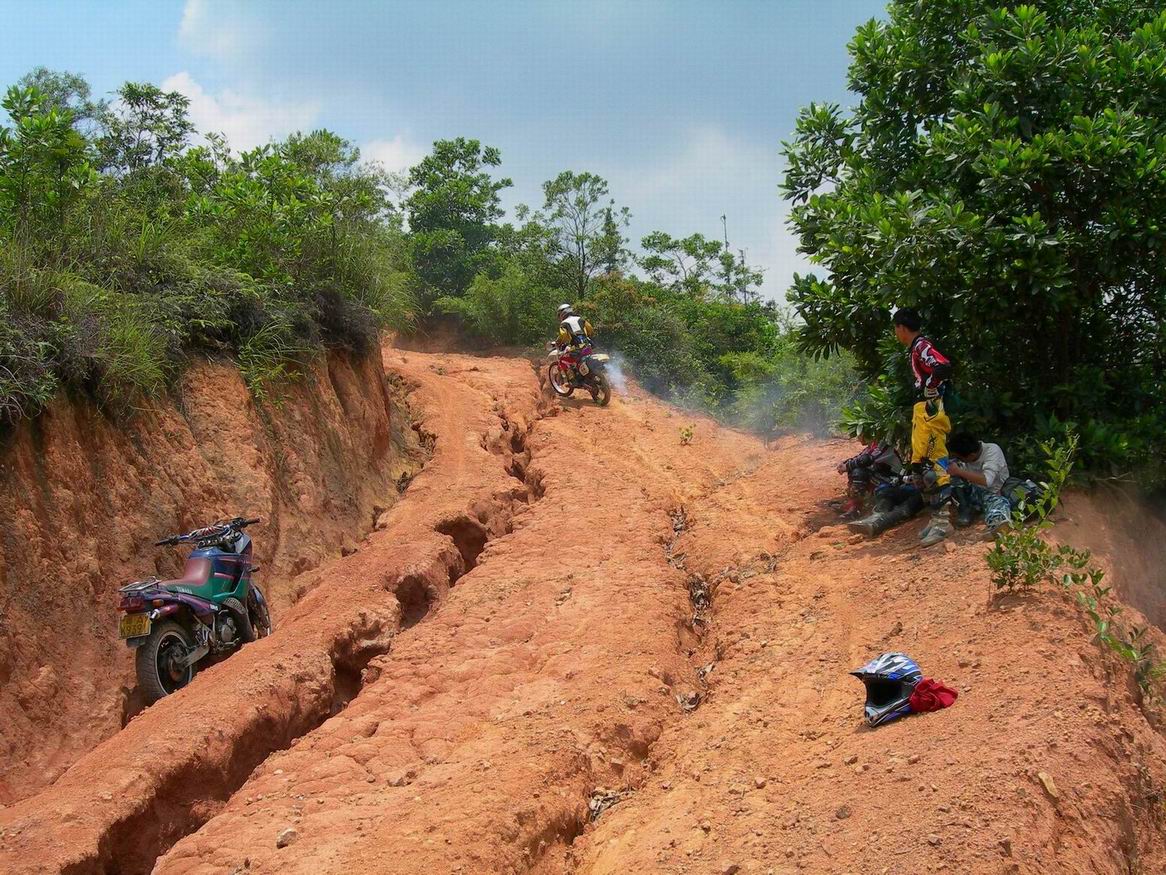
x,y
931,695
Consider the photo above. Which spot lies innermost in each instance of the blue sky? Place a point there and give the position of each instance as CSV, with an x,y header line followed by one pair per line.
x,y
680,104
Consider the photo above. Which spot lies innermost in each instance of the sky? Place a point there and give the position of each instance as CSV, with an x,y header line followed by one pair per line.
x,y
680,104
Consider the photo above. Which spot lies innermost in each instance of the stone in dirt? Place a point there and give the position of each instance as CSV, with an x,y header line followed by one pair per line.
x,y
287,837
1050,786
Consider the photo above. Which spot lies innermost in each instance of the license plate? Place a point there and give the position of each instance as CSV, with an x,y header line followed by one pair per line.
x,y
133,626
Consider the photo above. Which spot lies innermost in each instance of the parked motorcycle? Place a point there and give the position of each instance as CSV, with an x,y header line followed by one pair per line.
x,y
207,614
579,369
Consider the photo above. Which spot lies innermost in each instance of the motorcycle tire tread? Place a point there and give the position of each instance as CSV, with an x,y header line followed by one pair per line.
x,y
146,662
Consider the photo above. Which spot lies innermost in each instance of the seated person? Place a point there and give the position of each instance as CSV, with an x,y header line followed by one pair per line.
x,y
978,477
876,465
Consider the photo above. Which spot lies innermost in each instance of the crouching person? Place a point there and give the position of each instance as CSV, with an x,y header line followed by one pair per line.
x,y
978,479
877,465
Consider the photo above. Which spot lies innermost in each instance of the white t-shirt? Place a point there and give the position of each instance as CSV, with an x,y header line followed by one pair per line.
x,y
993,465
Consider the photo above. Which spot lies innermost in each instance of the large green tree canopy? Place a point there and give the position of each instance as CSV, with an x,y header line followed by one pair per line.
x,y
1004,173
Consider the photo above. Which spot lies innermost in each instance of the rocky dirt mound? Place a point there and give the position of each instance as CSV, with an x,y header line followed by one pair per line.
x,y
579,645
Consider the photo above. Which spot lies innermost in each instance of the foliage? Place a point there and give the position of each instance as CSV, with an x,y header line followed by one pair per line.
x,y
737,361
690,264
687,433
45,166
123,249
1003,173
69,93
586,231
680,264
512,309
453,213
143,127
1021,559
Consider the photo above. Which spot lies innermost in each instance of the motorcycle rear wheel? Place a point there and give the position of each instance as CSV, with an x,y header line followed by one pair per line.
x,y
555,376
157,661
600,390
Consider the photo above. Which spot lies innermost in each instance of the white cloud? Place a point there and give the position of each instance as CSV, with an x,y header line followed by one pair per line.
x,y
707,174
394,155
217,30
245,120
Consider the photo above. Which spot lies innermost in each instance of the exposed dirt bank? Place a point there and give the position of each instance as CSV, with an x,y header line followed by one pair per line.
x,y
85,497
1130,535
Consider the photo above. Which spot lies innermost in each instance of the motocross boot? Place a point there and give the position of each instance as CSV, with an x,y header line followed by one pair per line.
x,y
937,530
882,518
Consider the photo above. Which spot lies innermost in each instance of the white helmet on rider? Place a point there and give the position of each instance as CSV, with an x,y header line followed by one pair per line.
x,y
564,311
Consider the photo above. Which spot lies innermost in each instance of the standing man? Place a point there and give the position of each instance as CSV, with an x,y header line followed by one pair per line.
x,y
932,368
930,424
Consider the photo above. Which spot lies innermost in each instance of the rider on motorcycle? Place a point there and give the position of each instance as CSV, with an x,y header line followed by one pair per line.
x,y
574,331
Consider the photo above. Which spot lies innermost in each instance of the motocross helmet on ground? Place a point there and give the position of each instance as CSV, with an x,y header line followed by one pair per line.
x,y
564,311
890,678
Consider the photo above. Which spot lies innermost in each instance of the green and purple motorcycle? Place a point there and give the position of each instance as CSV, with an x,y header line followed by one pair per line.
x,y
210,612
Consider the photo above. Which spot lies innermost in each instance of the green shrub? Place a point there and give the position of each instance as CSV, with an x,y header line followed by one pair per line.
x,y
272,354
509,309
1022,558
109,279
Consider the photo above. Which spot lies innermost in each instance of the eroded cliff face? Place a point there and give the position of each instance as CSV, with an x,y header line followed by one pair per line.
x,y
84,497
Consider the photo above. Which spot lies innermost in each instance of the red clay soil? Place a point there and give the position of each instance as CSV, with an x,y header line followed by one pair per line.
x,y
84,499
519,672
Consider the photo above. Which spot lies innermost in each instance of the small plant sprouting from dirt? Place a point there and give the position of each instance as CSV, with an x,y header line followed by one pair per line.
x,y
1022,559
687,433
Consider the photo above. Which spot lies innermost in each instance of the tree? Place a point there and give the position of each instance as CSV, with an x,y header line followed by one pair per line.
x,y
612,251
587,230
45,166
453,213
739,279
681,263
69,93
144,127
1003,174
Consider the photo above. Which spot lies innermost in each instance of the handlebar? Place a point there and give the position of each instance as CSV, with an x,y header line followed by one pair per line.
x,y
220,529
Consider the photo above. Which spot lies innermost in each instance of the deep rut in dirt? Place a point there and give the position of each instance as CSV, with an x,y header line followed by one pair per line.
x,y
135,845
282,693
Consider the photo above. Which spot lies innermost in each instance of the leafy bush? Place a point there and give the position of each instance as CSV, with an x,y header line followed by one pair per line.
x,y
510,309
122,250
1021,558
1000,174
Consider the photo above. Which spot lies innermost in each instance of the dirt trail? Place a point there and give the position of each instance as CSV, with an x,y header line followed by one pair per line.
x,y
577,645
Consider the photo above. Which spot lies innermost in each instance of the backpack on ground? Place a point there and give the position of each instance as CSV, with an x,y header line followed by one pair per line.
x,y
1023,491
